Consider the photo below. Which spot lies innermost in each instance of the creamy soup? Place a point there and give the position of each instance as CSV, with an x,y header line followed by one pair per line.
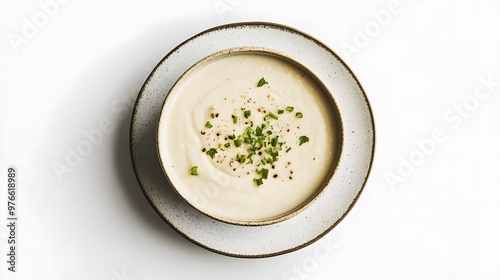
x,y
248,136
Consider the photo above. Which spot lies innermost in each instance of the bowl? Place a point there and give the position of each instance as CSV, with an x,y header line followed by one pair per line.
x,y
249,136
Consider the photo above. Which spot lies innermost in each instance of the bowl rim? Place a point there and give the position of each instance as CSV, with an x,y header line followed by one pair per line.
x,y
336,118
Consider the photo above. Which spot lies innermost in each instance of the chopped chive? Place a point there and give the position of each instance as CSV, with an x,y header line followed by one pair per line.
x,y
241,158
299,115
274,141
231,137
248,140
288,150
261,82
259,181
227,145
211,152
247,113
251,158
235,119
251,151
212,115
303,139
289,109
281,111
273,116
248,131
265,173
220,147
280,146
209,125
258,171
258,131
264,161
237,142
269,132
194,170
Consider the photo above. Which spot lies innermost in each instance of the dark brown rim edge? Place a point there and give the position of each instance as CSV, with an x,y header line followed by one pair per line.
x,y
276,26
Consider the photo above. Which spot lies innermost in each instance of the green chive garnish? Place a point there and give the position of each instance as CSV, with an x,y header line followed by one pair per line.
x,y
265,173
280,146
274,141
261,143
303,139
261,82
259,181
194,170
241,158
237,142
211,152
258,131
251,151
248,140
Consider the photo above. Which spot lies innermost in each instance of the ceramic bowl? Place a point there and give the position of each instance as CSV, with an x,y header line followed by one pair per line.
x,y
336,199
230,78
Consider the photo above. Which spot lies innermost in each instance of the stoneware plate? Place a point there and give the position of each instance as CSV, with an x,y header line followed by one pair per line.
x,y
320,217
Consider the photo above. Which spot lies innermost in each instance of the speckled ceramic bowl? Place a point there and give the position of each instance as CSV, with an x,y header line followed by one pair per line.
x,y
336,199
206,193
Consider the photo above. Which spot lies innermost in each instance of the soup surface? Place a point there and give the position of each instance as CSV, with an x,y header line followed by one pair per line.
x,y
248,136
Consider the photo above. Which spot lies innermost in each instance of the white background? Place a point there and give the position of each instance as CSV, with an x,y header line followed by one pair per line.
x,y
428,211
